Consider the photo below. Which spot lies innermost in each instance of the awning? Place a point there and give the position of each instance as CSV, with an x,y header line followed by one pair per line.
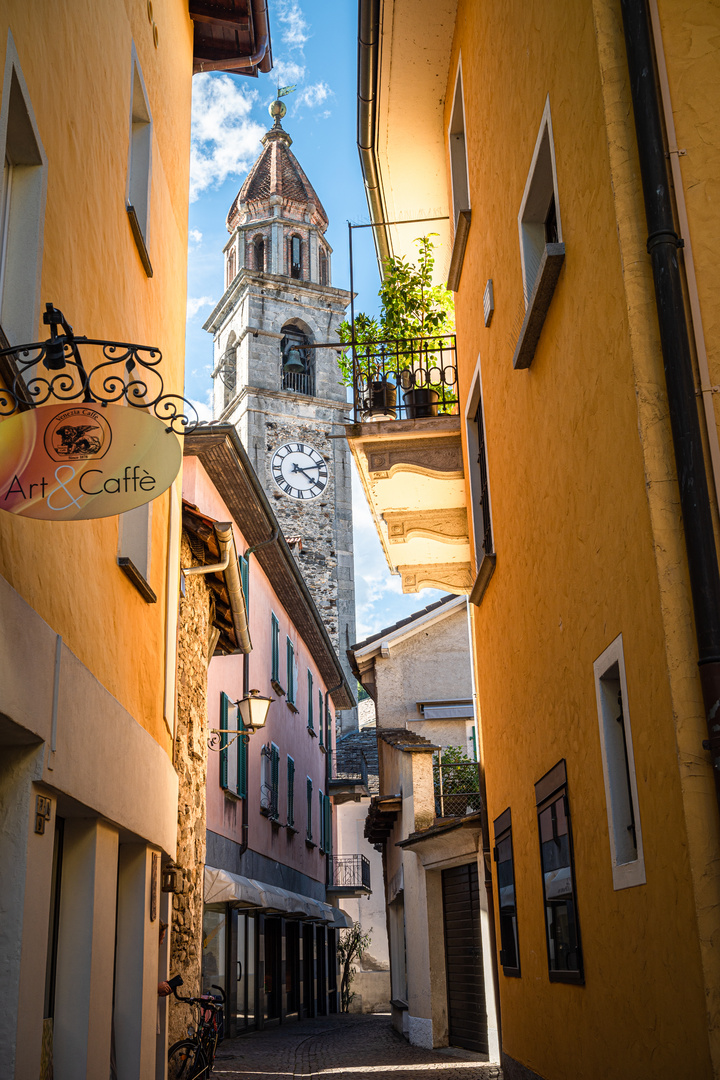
x,y
341,920
222,887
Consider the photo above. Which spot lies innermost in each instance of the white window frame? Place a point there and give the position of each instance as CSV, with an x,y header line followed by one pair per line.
x,y
626,873
139,170
21,243
531,219
459,171
473,447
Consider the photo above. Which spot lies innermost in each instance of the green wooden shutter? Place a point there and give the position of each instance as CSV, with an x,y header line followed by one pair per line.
x,y
224,703
321,819
321,726
328,825
275,651
311,722
274,779
242,762
290,672
309,807
245,579
290,791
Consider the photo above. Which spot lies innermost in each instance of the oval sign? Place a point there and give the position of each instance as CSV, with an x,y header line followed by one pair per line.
x,y
74,462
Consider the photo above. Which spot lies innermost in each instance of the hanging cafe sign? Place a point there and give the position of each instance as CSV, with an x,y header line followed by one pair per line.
x,y
108,441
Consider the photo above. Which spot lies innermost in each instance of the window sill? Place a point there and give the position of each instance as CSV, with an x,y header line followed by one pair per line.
x,y
232,796
310,843
511,973
575,977
537,309
277,687
458,251
292,706
131,571
398,1003
323,749
139,239
292,831
312,731
485,572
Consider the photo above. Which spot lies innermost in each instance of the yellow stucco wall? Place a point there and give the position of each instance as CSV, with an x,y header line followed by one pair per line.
x,y
76,61
587,532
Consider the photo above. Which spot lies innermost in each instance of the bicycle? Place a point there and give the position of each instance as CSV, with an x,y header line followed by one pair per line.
x,y
193,1058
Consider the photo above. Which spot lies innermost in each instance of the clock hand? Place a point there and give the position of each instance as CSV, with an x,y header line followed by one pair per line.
x,y
299,468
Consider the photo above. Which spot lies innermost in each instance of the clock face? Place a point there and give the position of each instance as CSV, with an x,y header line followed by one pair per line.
x,y
299,470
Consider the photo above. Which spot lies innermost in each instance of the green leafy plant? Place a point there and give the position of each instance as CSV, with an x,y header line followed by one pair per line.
x,y
411,307
352,943
457,782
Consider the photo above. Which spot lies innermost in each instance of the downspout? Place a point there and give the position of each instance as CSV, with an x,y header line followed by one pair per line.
x,y
328,770
244,827
368,46
662,246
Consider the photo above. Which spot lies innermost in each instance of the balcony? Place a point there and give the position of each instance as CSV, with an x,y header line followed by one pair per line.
x,y
457,789
349,778
349,876
405,438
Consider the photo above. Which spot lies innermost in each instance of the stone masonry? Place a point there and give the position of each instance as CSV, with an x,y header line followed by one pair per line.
x,y
191,764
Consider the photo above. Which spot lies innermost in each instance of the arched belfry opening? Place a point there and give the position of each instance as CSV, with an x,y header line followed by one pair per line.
x,y
298,362
228,371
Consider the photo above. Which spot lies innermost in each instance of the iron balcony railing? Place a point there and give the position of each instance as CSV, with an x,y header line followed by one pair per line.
x,y
405,380
350,872
457,789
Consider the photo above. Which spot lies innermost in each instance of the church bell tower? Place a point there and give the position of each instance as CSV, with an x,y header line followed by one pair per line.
x,y
285,399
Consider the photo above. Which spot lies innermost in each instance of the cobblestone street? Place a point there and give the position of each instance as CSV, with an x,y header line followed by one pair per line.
x,y
346,1048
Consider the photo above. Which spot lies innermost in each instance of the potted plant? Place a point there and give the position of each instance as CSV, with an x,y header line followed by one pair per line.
x,y
398,348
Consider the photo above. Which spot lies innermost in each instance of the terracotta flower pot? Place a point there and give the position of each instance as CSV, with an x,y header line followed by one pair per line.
x,y
421,403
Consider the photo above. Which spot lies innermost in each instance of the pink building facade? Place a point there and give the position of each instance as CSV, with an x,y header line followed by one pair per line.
x,y
269,931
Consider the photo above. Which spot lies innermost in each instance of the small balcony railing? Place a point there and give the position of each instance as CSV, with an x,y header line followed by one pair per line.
x,y
457,789
350,872
405,380
348,768
302,382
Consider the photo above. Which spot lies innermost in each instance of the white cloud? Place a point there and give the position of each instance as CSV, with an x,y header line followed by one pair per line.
x,y
194,303
225,141
195,236
295,31
288,72
314,95
203,410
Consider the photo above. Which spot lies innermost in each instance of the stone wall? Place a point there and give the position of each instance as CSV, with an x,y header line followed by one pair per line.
x,y
191,764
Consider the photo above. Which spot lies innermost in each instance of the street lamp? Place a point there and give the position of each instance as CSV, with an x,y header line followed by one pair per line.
x,y
252,713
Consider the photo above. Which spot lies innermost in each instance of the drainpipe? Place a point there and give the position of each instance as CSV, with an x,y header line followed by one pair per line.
x,y
662,245
328,769
368,49
244,827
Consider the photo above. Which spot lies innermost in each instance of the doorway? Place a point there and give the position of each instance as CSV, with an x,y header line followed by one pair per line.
x,y
467,1014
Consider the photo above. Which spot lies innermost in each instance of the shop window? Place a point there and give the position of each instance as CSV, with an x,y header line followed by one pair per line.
x,y
503,855
140,165
290,793
618,760
22,206
562,929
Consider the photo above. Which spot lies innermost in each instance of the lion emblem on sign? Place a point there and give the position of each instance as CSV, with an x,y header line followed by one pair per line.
x,y
74,441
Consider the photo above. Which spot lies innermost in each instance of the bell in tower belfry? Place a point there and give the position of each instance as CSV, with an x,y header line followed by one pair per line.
x,y
283,395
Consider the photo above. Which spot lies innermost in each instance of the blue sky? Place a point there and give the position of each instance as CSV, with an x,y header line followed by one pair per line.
x,y
314,46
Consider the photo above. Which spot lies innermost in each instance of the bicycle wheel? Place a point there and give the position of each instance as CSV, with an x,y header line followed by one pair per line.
x,y
187,1061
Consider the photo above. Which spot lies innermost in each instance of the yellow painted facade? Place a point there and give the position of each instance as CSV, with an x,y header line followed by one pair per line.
x,y
585,511
78,72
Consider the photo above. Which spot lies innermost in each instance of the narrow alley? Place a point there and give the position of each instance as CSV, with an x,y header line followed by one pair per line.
x,y
346,1048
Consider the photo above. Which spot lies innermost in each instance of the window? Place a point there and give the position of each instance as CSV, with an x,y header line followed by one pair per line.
x,y
324,278
479,490
258,249
22,206
228,755
618,761
556,857
310,721
321,718
139,165
228,371
309,809
503,855
269,780
295,257
328,824
290,793
542,251
291,673
321,819
458,153
275,654
134,548
231,264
